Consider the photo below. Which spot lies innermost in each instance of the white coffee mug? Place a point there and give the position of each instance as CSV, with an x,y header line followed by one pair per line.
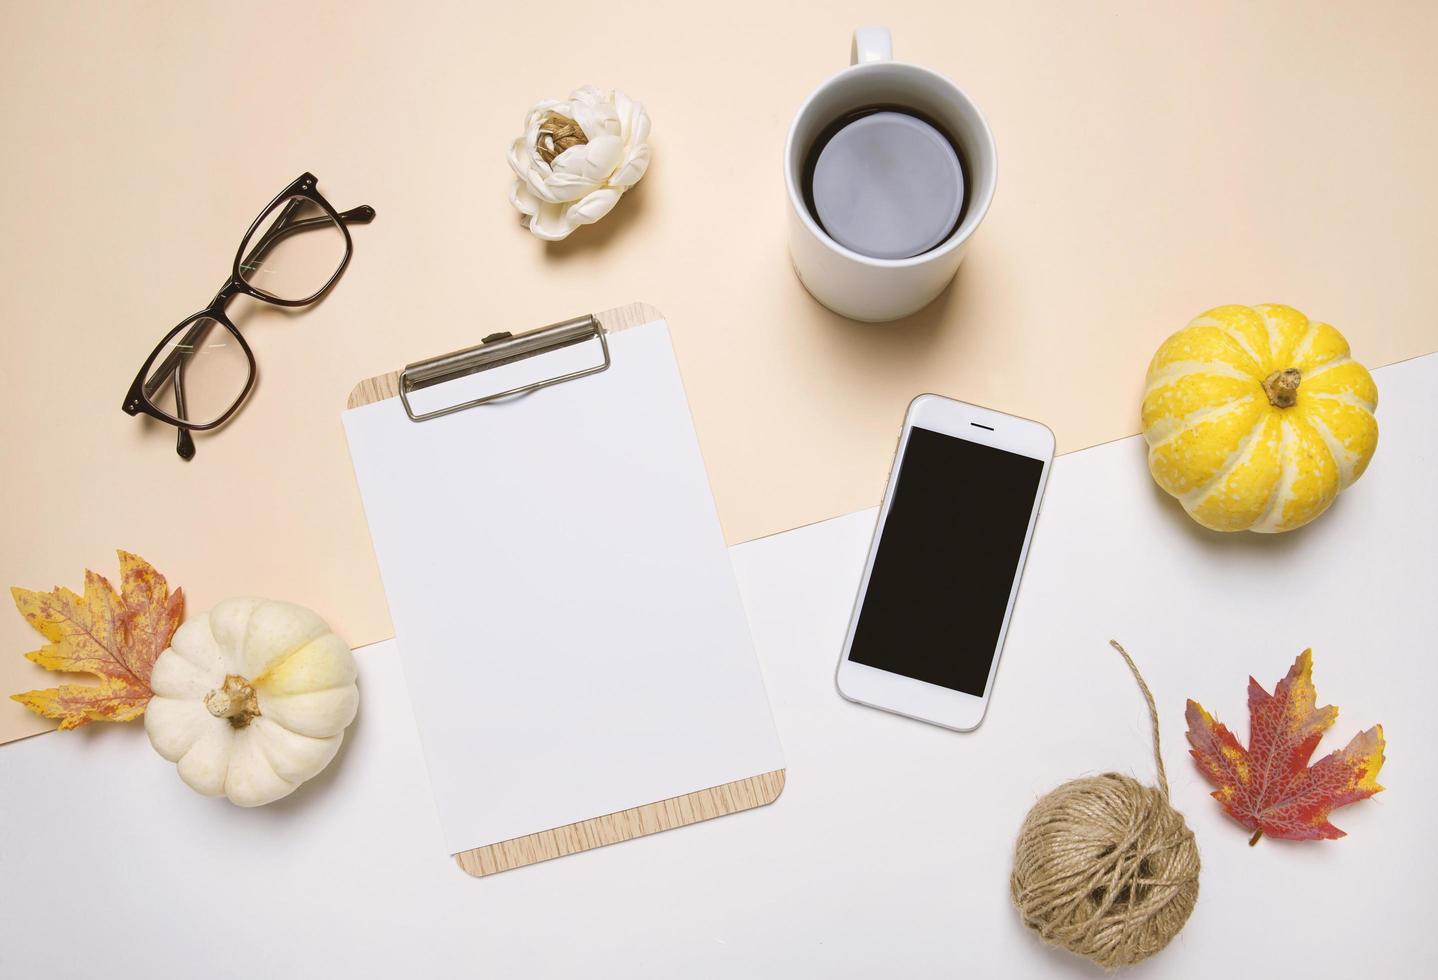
x,y
855,285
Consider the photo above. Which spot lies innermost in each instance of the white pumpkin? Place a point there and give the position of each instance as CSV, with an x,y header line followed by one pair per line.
x,y
251,699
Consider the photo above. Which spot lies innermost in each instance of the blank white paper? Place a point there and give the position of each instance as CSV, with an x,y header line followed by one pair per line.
x,y
563,602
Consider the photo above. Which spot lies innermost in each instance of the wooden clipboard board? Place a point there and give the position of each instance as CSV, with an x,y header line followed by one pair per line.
x,y
610,828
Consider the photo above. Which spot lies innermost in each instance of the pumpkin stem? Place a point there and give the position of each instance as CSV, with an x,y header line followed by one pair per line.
x,y
1281,387
235,701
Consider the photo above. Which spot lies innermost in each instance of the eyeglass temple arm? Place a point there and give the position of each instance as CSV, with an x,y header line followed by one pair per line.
x,y
184,442
283,228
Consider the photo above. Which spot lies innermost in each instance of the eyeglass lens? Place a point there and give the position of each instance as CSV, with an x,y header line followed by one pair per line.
x,y
294,251
200,372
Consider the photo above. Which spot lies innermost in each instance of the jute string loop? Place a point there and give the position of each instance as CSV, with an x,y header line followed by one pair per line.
x,y
1105,867
556,134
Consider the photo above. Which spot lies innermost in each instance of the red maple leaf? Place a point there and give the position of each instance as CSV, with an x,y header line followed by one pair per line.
x,y
1269,787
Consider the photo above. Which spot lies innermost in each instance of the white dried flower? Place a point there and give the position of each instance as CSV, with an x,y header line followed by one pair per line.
x,y
576,158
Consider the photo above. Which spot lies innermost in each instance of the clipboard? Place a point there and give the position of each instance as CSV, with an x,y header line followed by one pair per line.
x,y
496,353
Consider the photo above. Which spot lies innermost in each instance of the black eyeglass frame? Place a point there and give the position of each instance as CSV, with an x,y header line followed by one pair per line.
x,y
138,399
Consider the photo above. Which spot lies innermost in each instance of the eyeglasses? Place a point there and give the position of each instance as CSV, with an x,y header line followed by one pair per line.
x,y
202,371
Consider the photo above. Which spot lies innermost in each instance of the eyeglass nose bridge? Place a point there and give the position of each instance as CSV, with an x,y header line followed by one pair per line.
x,y
221,301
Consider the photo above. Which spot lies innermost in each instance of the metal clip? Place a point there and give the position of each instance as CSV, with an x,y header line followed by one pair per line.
x,y
497,349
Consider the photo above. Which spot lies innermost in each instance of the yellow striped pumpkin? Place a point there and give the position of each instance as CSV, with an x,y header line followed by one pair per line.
x,y
1256,417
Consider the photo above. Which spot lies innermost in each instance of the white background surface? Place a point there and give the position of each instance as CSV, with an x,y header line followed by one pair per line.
x,y
888,853
572,635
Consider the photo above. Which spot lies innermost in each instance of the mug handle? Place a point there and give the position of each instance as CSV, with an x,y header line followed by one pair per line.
x,y
871,44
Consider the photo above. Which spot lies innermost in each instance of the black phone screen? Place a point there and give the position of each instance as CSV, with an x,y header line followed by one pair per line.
x,y
946,562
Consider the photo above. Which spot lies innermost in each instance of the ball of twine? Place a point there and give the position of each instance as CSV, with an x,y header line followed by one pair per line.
x,y
1105,867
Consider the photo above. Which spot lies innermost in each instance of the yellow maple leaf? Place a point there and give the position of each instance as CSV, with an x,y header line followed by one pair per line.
x,y
114,636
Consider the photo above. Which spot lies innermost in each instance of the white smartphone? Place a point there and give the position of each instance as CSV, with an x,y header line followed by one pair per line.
x,y
943,570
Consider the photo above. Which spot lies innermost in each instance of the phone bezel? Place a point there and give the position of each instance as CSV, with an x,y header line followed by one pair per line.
x,y
907,696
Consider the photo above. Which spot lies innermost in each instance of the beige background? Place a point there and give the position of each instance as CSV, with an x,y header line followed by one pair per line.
x,y
1154,160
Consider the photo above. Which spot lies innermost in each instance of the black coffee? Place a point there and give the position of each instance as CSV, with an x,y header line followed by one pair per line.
x,y
885,182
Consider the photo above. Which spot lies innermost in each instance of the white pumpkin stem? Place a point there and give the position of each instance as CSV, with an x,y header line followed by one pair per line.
x,y
234,700
1281,387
